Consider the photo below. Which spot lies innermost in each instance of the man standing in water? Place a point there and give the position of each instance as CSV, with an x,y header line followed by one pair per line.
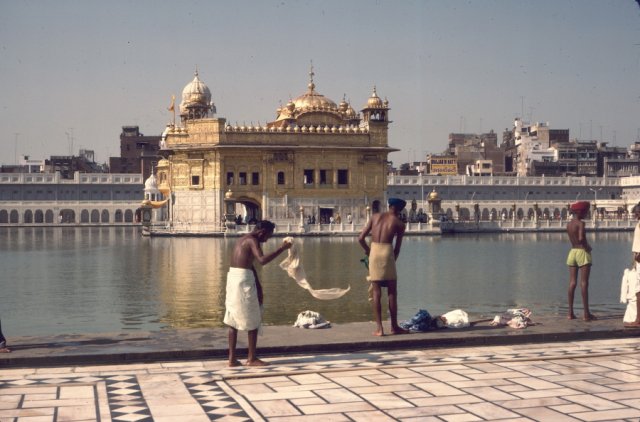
x,y
244,298
384,227
579,259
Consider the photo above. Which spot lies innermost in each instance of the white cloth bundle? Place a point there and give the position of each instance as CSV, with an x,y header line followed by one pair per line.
x,y
292,265
311,319
455,319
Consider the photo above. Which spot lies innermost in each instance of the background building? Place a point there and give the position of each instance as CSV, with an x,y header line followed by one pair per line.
x,y
318,158
138,153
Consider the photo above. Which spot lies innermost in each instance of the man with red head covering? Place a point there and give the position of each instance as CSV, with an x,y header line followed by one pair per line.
x,y
579,259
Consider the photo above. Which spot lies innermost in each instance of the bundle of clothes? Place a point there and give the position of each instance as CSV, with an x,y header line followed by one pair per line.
x,y
312,320
423,321
514,318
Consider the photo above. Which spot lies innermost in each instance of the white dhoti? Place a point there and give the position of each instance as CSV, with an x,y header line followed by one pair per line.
x,y
242,307
628,293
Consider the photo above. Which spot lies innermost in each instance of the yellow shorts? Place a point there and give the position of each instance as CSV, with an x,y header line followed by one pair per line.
x,y
578,258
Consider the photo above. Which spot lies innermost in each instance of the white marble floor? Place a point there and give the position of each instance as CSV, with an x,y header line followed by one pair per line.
x,y
581,381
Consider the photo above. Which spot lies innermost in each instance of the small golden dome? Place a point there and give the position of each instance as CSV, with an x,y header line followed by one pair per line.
x,y
374,101
228,194
343,105
146,203
433,196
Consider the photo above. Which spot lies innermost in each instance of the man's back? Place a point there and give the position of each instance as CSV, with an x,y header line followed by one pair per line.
x,y
385,226
576,232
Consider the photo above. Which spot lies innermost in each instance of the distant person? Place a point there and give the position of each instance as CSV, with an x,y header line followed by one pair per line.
x,y
630,293
244,298
349,218
579,258
3,342
635,247
375,207
630,289
384,228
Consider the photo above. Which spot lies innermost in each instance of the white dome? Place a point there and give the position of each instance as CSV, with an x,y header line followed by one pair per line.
x,y
196,92
151,184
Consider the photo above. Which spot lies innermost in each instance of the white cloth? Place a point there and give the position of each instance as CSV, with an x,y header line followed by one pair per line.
x,y
636,239
629,288
292,265
242,309
312,320
514,318
455,319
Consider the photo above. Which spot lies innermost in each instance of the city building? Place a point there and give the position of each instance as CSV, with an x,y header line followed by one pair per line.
x,y
443,165
138,153
500,195
469,148
317,158
86,198
68,165
25,165
530,143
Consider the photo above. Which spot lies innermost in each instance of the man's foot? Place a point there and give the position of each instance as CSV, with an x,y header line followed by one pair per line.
x,y
5,350
234,362
398,330
256,362
590,317
378,333
571,316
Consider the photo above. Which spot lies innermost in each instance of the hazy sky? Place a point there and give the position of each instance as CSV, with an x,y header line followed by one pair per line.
x,y
72,73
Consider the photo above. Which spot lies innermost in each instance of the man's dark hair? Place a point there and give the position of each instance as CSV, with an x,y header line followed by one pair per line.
x,y
265,225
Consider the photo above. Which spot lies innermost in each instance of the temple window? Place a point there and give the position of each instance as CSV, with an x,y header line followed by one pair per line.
x,y
229,178
255,178
308,176
195,180
325,177
281,177
242,178
343,177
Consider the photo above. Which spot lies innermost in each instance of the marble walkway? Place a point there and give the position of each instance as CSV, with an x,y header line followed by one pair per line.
x,y
594,380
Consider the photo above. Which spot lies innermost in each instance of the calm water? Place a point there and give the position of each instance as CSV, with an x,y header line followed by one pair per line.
x,y
78,280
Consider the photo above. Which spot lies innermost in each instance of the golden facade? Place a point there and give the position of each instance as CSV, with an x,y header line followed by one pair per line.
x,y
317,158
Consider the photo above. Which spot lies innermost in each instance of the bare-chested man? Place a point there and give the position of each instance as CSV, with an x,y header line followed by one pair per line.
x,y
243,302
579,259
384,227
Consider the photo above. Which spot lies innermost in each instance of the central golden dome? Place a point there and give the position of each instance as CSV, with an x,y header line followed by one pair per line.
x,y
311,100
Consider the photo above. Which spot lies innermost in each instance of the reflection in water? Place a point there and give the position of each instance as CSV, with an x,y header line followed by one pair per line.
x,y
66,280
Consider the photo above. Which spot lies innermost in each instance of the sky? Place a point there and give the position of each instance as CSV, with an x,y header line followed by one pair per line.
x,y
72,73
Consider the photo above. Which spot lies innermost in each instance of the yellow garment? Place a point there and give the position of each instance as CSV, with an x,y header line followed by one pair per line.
x,y
291,264
242,309
382,262
578,258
